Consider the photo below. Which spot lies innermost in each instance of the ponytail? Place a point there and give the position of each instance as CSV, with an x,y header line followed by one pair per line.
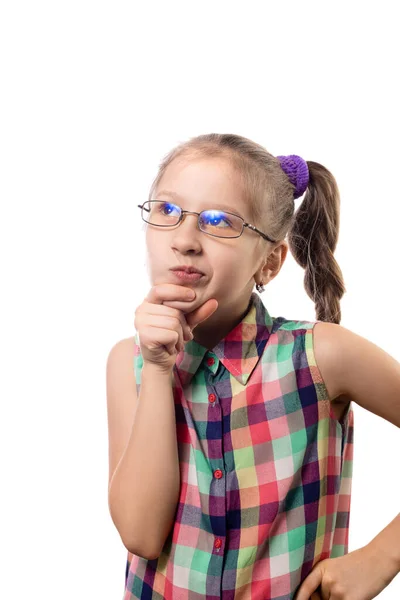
x,y
312,240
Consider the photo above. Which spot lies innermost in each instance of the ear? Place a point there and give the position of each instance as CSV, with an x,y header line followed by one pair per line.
x,y
274,261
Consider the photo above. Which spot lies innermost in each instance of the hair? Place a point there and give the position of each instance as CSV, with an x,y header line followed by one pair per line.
x,y
312,230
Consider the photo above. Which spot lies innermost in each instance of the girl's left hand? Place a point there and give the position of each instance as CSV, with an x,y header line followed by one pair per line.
x,y
358,575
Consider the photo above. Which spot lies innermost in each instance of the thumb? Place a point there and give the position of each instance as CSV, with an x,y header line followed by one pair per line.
x,y
202,313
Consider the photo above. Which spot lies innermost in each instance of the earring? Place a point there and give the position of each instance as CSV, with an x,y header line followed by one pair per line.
x,y
259,287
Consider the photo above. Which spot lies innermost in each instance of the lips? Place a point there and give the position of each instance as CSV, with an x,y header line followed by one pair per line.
x,y
189,277
187,269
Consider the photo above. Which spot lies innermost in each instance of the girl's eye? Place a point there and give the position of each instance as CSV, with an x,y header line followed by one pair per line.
x,y
214,218
167,208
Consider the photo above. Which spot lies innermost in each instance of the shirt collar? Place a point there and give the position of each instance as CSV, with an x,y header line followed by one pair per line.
x,y
239,351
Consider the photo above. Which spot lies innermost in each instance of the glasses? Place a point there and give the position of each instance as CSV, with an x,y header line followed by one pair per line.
x,y
218,223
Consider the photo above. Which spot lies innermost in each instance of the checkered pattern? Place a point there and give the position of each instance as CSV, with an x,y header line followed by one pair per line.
x,y
266,468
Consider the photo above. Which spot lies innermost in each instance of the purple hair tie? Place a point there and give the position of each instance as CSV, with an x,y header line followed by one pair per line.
x,y
296,169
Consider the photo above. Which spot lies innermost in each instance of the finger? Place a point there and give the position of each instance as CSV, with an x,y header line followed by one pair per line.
x,y
202,313
162,309
169,292
309,589
163,322
163,337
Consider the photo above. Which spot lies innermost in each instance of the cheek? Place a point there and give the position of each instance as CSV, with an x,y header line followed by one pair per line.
x,y
152,260
153,245
232,263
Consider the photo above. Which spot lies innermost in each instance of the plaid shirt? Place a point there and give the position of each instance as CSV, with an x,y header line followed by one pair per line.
x,y
266,468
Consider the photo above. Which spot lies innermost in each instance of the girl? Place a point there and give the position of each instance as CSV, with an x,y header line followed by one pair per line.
x,y
231,438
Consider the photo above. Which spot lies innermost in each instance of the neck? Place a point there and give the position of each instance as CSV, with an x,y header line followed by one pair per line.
x,y
222,321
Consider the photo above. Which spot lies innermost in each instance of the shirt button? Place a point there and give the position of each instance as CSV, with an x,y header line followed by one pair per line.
x,y
218,473
212,397
218,543
210,361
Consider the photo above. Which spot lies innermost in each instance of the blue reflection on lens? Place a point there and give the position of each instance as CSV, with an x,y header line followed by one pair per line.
x,y
167,206
214,217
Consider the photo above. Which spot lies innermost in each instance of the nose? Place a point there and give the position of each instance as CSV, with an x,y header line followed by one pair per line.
x,y
193,215
187,234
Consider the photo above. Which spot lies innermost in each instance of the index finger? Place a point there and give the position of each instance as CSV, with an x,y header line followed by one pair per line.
x,y
170,292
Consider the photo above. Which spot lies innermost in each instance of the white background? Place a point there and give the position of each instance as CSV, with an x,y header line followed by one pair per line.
x,y
93,94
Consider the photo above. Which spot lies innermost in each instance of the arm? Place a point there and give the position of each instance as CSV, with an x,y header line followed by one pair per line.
x,y
369,376
144,487
356,368
387,543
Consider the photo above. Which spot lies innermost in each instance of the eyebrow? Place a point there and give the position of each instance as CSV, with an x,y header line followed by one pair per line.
x,y
180,199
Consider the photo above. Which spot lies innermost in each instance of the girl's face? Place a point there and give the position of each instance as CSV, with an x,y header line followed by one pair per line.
x,y
229,265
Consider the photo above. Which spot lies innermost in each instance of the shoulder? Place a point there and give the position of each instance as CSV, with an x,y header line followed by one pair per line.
x,y
124,347
324,341
331,343
121,356
120,372
324,344
356,368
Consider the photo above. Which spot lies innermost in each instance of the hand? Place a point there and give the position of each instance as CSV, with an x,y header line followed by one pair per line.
x,y
358,575
162,328
194,317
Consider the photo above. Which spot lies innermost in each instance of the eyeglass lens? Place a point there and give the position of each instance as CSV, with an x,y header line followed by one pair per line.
x,y
214,222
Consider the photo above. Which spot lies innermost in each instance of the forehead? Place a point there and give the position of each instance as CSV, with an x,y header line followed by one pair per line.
x,y
201,183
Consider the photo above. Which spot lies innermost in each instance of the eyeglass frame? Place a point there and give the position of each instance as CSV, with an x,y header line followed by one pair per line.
x,y
192,212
